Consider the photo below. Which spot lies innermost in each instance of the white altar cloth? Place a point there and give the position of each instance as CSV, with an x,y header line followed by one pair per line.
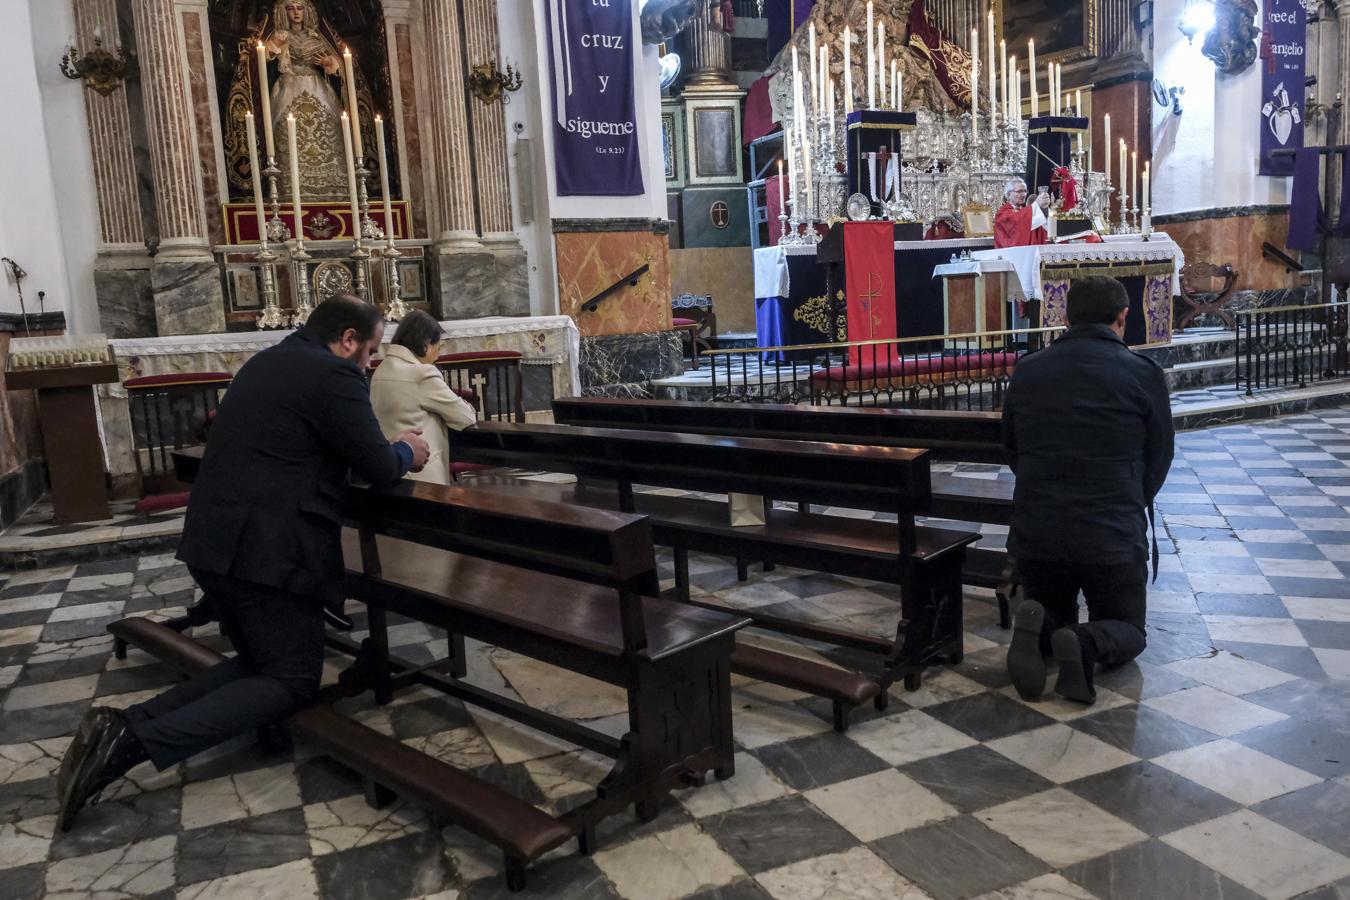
x,y
771,268
1026,261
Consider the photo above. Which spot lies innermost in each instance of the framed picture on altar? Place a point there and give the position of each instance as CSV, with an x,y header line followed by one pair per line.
x,y
1063,29
410,279
245,291
1099,225
978,220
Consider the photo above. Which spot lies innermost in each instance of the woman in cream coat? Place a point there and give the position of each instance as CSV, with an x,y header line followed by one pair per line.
x,y
408,391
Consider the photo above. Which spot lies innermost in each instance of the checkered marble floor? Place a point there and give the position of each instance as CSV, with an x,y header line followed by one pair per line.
x,y
1216,766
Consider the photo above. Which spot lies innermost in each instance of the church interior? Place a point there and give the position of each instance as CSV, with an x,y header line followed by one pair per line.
x,y
720,595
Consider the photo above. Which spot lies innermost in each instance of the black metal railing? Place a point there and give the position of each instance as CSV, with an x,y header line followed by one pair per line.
x,y
170,412
1291,346
958,371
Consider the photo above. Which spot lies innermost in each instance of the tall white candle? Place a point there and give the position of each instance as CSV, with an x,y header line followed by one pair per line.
x,y
1031,78
895,85
881,61
1078,103
792,172
1106,144
900,92
1147,198
297,210
871,61
266,96
256,172
1134,176
353,114
848,70
824,75
806,168
829,102
975,84
1124,184
782,194
384,179
992,72
1059,88
351,176
798,105
813,62
1003,92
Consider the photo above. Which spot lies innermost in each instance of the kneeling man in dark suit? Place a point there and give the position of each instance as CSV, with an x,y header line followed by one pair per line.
x,y
1087,427
263,540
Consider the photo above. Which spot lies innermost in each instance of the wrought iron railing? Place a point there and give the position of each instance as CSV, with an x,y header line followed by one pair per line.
x,y
957,371
1291,346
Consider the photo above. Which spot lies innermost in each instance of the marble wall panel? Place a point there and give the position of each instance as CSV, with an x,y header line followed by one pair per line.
x,y
590,261
202,105
188,297
1237,240
728,273
412,132
126,304
623,365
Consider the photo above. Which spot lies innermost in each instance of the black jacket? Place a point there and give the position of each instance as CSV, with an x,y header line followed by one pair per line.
x,y
266,505
1087,426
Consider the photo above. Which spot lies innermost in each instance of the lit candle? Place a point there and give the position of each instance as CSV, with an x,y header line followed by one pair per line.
x,y
798,106
266,101
256,172
992,72
975,84
871,61
384,179
813,61
351,104
792,172
848,70
1030,72
829,102
296,209
900,93
351,177
895,92
881,61
1003,89
806,168
1106,143
1124,184
824,75
782,201
1134,176
1014,89
1146,197
1078,103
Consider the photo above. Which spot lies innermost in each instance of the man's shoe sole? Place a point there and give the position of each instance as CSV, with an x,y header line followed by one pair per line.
x,y
1073,679
1026,666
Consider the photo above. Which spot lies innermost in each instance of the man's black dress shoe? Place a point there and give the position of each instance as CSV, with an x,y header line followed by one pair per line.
x,y
109,751
1077,656
1026,666
96,718
336,619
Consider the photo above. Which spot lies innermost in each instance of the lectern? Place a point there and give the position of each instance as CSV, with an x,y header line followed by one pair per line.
x,y
66,414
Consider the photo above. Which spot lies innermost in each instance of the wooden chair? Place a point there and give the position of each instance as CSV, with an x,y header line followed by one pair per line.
x,y
169,412
1197,282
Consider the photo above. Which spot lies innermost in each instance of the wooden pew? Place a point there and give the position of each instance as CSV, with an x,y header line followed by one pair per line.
x,y
924,562
949,436
572,586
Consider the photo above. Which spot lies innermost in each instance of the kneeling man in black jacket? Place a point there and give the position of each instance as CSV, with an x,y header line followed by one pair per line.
x,y
1087,426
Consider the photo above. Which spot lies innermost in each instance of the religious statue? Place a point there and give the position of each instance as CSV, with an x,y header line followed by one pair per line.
x,y
1019,223
307,68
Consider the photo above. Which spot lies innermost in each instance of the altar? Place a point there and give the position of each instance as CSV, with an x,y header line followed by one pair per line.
x,y
549,347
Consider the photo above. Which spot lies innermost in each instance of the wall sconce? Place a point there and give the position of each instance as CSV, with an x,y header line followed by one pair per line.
x,y
1197,17
489,84
99,69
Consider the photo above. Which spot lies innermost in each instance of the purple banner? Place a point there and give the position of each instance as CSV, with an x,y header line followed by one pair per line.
x,y
1283,39
595,135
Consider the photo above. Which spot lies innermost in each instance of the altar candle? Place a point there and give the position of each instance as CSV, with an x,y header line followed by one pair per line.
x,y
798,110
266,101
881,61
257,177
1134,176
871,61
1145,204
1124,184
824,75
1050,87
975,85
792,172
296,209
992,72
848,70
895,91
384,179
351,176
1031,74
1078,104
782,203
900,93
813,61
1106,144
351,104
1059,88
829,102
806,168
1004,95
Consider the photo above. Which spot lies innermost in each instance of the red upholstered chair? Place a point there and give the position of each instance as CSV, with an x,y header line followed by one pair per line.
x,y
169,412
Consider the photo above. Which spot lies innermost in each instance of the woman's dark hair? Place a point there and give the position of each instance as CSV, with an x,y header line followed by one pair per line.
x,y
334,316
417,332
1095,300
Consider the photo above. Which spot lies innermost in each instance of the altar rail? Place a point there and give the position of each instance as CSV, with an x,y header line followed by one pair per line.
x,y
955,371
1291,346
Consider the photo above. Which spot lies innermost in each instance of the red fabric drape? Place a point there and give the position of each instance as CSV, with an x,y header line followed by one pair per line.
x,y
758,120
950,63
869,274
773,189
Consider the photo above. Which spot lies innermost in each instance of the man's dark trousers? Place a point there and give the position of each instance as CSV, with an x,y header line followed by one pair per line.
x,y
278,637
1116,600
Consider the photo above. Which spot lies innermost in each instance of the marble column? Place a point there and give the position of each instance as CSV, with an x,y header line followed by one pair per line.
x,y
184,276
122,267
1343,81
710,48
491,167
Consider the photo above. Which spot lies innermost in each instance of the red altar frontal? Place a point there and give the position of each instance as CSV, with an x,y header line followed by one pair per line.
x,y
323,220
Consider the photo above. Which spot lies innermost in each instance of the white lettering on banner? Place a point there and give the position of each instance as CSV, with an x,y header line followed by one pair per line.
x,y
603,41
604,83
1283,18
586,127
1287,49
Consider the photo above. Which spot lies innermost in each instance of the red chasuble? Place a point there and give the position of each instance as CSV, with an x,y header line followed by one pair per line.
x,y
1012,227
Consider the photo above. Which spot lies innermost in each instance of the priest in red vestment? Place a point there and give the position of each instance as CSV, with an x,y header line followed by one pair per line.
x,y
1018,223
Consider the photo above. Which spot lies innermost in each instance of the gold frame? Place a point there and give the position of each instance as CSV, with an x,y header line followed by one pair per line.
x,y
1085,50
977,220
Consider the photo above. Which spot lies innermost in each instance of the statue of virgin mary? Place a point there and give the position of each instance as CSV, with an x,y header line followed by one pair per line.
x,y
306,60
